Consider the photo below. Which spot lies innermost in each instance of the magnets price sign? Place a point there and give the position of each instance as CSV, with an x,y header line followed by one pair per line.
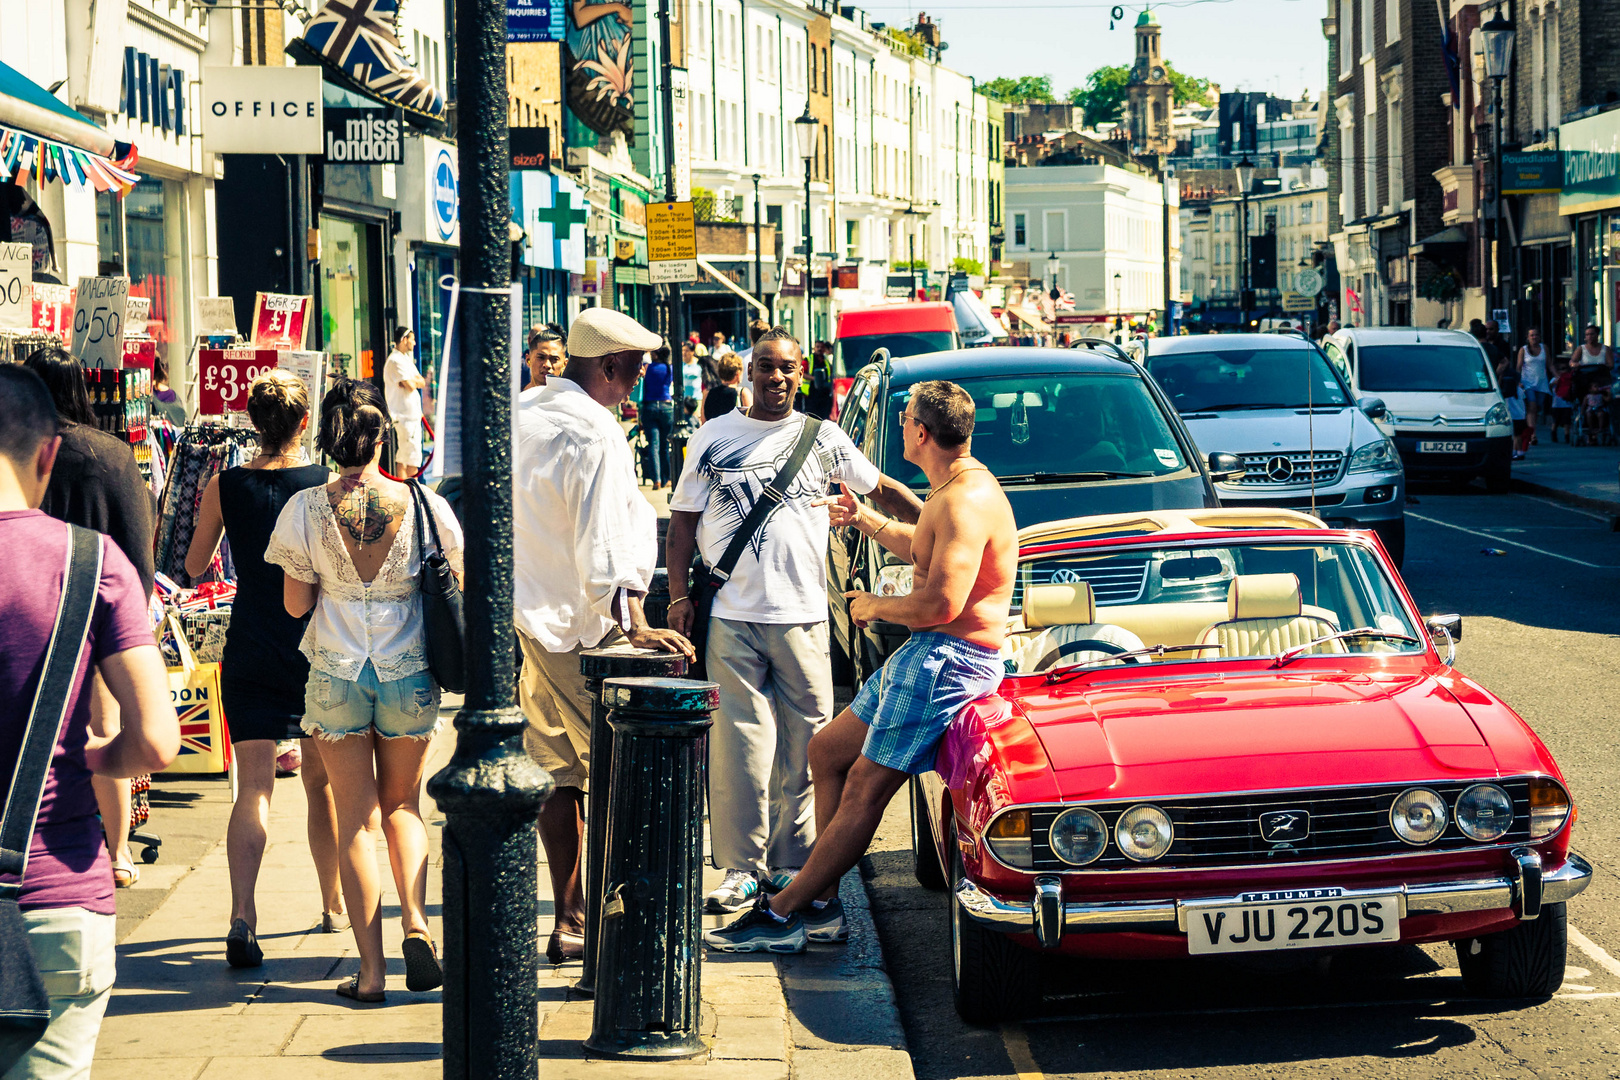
x,y
16,286
99,309
280,321
223,376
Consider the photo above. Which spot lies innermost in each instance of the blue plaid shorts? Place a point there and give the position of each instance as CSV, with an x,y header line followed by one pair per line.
x,y
910,702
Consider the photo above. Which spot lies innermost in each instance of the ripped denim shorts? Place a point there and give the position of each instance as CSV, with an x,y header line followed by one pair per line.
x,y
405,708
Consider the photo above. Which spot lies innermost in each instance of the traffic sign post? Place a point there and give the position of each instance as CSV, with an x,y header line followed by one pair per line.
x,y
99,309
671,243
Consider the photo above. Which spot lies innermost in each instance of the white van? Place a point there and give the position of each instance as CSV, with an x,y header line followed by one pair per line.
x,y
1444,405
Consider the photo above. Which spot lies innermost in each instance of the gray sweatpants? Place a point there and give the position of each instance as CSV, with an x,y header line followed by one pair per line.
x,y
775,692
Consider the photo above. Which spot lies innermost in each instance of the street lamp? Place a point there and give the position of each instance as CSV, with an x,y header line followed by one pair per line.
x,y
1245,176
759,281
809,131
1119,304
1052,264
1498,40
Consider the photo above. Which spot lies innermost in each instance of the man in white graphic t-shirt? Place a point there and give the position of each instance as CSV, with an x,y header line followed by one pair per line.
x,y
767,643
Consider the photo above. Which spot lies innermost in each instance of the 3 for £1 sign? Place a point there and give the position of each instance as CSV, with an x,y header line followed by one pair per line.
x,y
223,376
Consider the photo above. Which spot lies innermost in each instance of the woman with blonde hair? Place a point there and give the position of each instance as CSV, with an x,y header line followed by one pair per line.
x,y
351,552
262,674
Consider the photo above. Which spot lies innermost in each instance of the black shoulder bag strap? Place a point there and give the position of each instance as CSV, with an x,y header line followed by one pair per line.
x,y
766,504
51,701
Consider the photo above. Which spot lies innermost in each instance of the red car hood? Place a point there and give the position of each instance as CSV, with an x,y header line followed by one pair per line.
x,y
1252,730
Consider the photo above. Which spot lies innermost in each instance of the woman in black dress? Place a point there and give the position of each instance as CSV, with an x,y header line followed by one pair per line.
x,y
262,674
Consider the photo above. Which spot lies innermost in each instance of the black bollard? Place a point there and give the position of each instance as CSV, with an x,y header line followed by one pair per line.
x,y
596,665
649,974
656,603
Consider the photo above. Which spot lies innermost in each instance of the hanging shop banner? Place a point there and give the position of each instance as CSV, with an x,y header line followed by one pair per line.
x,y
16,286
599,66
280,321
216,315
534,20
53,310
223,376
363,137
530,148
680,114
671,243
443,197
99,307
262,110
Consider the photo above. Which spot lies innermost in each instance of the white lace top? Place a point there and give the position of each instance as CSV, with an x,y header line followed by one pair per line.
x,y
355,621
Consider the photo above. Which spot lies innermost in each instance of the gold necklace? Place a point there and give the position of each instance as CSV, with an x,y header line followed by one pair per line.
x,y
954,479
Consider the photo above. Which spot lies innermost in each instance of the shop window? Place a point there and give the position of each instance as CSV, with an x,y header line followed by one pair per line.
x,y
139,236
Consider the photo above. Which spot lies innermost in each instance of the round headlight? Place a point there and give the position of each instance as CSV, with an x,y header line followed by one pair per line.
x,y
1418,816
1078,836
1143,833
1484,812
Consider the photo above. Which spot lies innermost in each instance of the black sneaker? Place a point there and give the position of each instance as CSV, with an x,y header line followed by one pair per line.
x,y
825,923
242,946
759,931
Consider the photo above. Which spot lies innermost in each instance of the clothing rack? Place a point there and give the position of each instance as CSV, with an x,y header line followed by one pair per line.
x,y
204,451
17,345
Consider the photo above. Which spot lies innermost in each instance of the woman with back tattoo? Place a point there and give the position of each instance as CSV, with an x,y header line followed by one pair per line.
x,y
350,554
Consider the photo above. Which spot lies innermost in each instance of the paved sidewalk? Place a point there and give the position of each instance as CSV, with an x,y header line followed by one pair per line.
x,y
179,1013
1586,476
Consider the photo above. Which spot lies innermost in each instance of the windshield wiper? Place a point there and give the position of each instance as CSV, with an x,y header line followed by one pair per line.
x,y
1058,674
1359,632
1066,477
1237,406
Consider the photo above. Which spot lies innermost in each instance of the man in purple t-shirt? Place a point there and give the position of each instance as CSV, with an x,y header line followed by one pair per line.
x,y
67,888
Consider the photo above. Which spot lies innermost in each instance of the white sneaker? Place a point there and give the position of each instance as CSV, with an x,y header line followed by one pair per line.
x,y
777,880
736,892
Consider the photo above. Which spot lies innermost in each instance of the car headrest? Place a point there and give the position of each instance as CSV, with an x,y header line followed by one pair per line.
x,y
1067,604
1262,596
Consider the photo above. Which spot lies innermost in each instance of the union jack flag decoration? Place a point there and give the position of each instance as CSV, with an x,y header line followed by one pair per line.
x,y
195,730
356,39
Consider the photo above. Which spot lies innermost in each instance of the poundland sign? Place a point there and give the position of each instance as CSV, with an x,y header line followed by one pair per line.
x,y
363,137
1591,151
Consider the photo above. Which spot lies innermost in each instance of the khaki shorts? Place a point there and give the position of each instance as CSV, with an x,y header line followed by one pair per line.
x,y
408,450
554,700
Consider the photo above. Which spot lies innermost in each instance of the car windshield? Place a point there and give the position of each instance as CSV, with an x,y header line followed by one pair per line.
x,y
1252,599
1072,426
1449,368
1234,379
854,353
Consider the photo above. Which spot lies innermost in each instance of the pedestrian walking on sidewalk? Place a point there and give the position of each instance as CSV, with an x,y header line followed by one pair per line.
x,y
545,355
658,383
66,889
964,550
767,634
403,391
262,673
96,484
586,542
1535,369
350,554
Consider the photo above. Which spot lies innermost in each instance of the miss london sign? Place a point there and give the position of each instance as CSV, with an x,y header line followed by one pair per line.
x,y
364,136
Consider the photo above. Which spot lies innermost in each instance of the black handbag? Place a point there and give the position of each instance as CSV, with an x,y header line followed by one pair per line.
x,y
25,1008
443,623
707,580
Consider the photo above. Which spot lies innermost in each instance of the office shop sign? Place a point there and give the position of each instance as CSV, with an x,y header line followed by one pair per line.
x,y
364,137
262,110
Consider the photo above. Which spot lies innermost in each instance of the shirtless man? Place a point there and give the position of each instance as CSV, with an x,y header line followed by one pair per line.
x,y
964,553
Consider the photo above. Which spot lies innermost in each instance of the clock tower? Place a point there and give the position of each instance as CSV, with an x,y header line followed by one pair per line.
x,y
1149,92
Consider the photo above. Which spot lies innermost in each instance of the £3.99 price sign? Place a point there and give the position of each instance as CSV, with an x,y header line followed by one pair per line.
x,y
223,376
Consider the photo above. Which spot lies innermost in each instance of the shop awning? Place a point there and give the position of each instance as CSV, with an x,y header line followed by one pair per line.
x,y
977,325
721,279
1449,236
1030,319
42,137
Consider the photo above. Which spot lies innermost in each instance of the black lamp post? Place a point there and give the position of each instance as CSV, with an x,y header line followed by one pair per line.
x,y
1119,302
491,790
759,281
809,132
1497,35
1245,176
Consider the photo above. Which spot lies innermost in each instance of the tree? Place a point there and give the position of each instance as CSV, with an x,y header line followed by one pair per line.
x,y
964,265
1025,88
1106,89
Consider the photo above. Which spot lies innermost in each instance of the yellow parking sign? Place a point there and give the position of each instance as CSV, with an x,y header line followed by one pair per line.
x,y
671,242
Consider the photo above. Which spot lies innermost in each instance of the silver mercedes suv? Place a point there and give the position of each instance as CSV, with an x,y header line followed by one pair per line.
x,y
1306,442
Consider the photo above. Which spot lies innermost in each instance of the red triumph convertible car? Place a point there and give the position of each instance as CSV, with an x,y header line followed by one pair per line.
x,y
1229,731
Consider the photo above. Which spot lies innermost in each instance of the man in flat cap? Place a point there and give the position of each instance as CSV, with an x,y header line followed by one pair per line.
x,y
585,542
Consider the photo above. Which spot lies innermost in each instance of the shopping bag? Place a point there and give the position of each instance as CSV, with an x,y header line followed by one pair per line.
x,y
194,690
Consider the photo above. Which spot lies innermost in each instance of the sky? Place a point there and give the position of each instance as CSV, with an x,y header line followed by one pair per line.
x,y
1271,45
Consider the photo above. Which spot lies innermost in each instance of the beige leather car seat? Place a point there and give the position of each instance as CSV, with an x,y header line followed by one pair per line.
x,y
1061,626
1264,617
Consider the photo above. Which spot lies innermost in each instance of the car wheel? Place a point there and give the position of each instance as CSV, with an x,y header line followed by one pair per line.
x,y
924,855
1524,962
1499,480
992,977
1394,539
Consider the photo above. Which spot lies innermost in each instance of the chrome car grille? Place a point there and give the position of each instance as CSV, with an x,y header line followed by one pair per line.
x,y
1224,830
1112,581
1291,468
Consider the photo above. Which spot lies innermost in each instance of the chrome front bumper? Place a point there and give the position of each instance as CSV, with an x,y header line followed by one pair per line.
x,y
1523,889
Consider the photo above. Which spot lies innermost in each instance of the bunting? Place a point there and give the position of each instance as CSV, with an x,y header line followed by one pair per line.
x,y
23,155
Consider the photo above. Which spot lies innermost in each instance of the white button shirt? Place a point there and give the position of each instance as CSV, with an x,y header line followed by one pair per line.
x,y
581,529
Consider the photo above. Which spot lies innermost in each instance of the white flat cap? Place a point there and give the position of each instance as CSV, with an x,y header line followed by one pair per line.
x,y
599,331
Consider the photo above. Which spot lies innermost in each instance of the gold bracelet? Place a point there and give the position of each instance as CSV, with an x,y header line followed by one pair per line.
x,y
886,523
679,600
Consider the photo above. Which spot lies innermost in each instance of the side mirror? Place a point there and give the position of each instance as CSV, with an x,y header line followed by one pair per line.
x,y
1226,468
1374,408
1451,624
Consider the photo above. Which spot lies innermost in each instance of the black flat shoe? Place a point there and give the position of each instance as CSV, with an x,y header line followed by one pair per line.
x,y
242,947
422,969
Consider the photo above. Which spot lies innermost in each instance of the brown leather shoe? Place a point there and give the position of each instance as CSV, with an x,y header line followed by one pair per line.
x,y
565,946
